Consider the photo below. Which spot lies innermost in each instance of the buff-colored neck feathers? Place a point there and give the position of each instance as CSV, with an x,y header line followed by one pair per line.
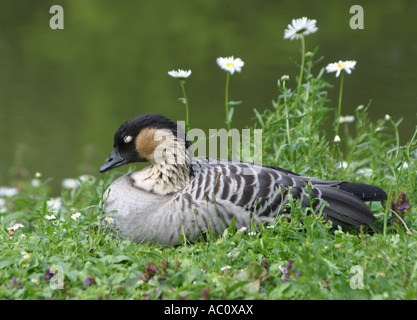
x,y
170,162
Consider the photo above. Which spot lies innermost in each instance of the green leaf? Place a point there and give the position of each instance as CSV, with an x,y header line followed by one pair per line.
x,y
259,117
115,259
4,263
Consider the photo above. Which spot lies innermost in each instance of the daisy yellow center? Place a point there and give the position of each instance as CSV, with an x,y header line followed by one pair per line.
x,y
340,65
230,64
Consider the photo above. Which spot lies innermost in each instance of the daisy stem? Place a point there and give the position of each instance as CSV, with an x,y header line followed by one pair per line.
x,y
287,120
226,102
228,121
339,108
300,78
182,84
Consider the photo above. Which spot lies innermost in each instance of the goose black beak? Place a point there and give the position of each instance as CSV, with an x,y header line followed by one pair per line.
x,y
114,160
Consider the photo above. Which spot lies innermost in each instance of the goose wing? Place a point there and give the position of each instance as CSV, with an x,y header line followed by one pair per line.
x,y
263,191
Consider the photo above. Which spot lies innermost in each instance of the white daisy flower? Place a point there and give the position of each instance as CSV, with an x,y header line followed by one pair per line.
x,y
230,64
8,192
180,74
242,229
342,165
50,217
36,183
109,220
403,166
336,139
70,183
337,67
54,204
225,268
15,227
76,215
366,172
300,27
87,178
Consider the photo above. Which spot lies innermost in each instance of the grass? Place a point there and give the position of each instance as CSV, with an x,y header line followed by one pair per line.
x,y
302,259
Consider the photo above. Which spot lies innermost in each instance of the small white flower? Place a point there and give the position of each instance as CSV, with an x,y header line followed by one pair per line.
x,y
336,139
403,166
251,233
346,119
109,220
8,192
285,77
70,183
15,227
342,165
50,217
387,117
300,27
270,226
242,229
36,183
35,281
38,175
87,178
76,215
366,172
180,74
54,204
337,67
225,268
230,64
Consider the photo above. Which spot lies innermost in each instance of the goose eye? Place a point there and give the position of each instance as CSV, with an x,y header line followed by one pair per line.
x,y
127,139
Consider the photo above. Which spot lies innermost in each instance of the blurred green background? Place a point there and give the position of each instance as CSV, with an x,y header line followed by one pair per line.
x,y
63,93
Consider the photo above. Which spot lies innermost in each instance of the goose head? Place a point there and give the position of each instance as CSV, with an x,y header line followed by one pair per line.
x,y
147,138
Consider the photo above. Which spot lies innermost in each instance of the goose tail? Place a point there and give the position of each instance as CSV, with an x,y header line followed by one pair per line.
x,y
345,207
